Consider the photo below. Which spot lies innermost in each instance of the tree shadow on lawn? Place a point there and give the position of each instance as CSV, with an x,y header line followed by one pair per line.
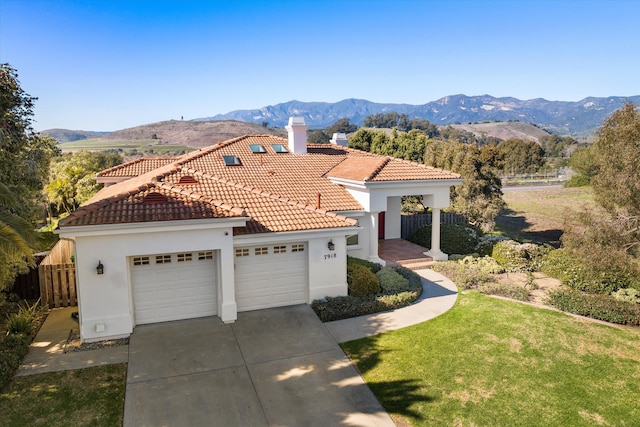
x,y
516,227
396,396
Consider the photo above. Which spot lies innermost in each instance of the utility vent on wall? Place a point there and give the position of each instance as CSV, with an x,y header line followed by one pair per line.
x,y
154,199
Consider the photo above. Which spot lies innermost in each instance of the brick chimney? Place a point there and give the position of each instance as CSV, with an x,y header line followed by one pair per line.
x,y
297,130
339,139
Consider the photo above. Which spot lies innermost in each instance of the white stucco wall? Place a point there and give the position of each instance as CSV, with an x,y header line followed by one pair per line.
x,y
106,301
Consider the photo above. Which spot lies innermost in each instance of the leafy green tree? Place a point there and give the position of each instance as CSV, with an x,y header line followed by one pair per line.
x,y
557,146
521,156
341,126
582,163
72,178
24,155
16,239
479,197
616,154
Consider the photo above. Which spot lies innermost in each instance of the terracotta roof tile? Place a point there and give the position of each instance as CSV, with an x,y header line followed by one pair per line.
x,y
277,191
136,167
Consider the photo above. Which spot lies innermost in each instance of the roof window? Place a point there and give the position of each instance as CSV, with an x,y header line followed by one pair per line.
x,y
231,160
257,148
279,148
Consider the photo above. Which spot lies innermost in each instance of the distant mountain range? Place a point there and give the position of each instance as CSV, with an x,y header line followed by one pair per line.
x,y
578,119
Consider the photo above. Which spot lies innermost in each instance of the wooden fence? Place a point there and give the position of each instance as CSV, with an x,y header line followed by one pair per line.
x,y
27,286
58,277
411,223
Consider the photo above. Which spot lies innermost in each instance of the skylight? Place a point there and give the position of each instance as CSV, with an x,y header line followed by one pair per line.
x,y
279,148
257,148
231,160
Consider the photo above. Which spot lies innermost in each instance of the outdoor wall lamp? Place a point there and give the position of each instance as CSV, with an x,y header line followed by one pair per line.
x,y
331,245
100,268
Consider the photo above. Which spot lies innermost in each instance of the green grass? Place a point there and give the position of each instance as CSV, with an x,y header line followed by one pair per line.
x,y
98,144
87,397
490,362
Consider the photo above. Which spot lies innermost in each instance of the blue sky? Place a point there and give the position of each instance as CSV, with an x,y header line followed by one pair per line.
x,y
108,65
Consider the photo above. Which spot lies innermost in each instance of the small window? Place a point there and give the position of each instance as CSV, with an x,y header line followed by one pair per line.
x,y
297,247
279,249
140,260
205,255
184,257
262,251
352,240
163,259
242,252
231,160
279,148
187,180
257,148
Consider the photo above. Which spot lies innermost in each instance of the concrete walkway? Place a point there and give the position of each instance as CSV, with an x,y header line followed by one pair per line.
x,y
46,353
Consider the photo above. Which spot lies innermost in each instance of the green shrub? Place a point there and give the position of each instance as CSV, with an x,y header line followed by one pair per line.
x,y
19,323
455,238
469,272
344,307
630,295
361,281
578,180
391,281
13,348
487,242
374,267
505,290
605,275
602,307
515,256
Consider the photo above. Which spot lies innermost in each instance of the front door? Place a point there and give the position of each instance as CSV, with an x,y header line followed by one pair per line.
x,y
381,226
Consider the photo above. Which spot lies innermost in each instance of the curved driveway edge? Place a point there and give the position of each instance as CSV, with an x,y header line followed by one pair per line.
x,y
439,294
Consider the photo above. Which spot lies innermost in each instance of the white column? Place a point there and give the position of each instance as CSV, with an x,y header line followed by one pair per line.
x,y
393,222
373,238
435,251
228,308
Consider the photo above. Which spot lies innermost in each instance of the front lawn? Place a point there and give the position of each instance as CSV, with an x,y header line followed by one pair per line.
x,y
490,362
86,397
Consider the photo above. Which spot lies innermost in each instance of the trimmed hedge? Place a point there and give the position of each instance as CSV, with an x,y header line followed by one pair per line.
x,y
361,281
374,267
391,281
454,238
345,307
602,307
13,348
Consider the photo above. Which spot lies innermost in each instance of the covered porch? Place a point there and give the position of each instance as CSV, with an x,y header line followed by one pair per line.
x,y
399,252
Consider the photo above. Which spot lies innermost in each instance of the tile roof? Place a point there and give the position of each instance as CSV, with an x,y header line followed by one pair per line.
x,y
277,191
135,167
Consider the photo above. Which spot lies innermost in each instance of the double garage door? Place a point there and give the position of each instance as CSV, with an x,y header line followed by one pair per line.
x,y
183,285
174,286
271,276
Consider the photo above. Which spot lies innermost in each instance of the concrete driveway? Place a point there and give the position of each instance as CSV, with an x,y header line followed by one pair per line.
x,y
277,367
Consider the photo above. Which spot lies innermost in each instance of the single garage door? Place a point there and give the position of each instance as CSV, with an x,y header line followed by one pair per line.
x,y
271,276
174,286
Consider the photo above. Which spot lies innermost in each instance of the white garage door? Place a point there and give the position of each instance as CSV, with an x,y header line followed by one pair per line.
x,y
271,276
174,286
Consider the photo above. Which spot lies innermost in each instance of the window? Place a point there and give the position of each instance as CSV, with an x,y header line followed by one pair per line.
x,y
352,240
279,249
279,148
184,257
262,251
140,260
231,160
242,252
163,259
205,255
299,247
257,148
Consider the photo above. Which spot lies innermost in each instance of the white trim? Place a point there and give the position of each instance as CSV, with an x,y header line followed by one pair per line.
x,y
284,236
151,227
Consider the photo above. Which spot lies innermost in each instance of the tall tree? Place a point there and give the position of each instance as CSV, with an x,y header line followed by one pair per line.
x,y
24,155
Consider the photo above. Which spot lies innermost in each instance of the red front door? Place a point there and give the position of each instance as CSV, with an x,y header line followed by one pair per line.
x,y
381,226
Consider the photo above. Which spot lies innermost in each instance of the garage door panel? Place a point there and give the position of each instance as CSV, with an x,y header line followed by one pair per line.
x,y
174,290
272,279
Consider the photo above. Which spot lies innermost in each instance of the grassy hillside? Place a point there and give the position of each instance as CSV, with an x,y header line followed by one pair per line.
x,y
505,130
